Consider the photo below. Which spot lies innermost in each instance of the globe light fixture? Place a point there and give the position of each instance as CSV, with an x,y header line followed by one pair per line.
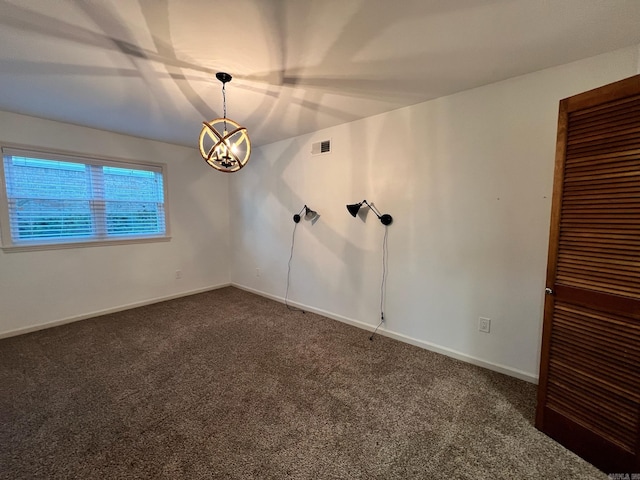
x,y
224,144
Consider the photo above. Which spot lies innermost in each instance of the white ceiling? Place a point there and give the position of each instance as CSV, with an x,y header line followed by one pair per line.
x,y
146,67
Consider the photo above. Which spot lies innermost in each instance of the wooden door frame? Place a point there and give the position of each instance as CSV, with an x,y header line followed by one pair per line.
x,y
552,257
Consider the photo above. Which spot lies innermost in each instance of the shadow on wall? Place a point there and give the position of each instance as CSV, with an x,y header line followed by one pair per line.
x,y
343,270
279,185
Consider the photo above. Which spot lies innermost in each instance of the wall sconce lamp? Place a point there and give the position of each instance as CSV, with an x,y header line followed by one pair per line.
x,y
353,209
386,220
308,214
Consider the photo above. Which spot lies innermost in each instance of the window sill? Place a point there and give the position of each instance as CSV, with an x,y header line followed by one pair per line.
x,y
97,243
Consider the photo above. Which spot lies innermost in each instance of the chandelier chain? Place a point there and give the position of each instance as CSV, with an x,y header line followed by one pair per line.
x,y
224,104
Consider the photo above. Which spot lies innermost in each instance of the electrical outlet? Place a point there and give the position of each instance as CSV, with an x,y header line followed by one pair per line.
x,y
178,274
257,272
484,325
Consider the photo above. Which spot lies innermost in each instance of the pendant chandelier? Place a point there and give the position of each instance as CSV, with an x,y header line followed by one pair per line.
x,y
224,144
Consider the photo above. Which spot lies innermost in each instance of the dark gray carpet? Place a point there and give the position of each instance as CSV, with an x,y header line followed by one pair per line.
x,y
231,385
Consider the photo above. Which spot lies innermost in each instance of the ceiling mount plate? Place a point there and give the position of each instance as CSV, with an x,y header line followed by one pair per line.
x,y
223,77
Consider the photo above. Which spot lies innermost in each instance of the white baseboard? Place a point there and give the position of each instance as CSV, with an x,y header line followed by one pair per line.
x,y
403,338
97,313
365,326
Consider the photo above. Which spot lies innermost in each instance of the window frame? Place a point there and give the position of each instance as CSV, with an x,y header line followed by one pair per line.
x,y
6,241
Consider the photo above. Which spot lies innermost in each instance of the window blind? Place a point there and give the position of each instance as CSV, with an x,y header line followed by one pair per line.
x,y
53,198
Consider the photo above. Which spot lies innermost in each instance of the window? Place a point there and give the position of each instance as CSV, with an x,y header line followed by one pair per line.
x,y
49,199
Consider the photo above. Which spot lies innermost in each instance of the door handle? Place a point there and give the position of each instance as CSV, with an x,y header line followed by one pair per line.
x,y
549,291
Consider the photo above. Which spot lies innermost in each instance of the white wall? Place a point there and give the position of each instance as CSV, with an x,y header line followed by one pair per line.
x,y
468,180
47,286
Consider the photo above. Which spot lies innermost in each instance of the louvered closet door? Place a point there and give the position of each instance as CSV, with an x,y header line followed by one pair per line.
x,y
589,391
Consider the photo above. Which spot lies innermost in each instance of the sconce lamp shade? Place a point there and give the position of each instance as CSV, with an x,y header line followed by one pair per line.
x,y
308,215
354,208
311,214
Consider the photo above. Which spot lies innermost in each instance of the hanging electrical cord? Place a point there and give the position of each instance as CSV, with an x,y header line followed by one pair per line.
x,y
293,242
383,282
311,215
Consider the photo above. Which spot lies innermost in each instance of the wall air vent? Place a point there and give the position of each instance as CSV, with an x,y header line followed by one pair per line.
x,y
321,148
